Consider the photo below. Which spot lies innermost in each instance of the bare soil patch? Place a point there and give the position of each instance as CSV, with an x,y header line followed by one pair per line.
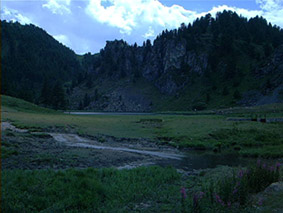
x,y
64,150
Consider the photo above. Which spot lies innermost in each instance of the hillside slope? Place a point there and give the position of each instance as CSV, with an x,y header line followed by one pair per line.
x,y
213,63
30,57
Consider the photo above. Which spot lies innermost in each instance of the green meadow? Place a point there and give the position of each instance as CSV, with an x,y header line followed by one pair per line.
x,y
202,131
151,188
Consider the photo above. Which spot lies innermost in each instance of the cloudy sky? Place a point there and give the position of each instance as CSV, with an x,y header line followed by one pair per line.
x,y
86,25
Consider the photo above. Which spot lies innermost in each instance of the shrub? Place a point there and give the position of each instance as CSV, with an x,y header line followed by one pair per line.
x,y
199,106
262,175
225,91
237,95
252,180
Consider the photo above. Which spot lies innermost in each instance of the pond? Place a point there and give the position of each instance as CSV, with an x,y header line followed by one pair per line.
x,y
202,160
110,113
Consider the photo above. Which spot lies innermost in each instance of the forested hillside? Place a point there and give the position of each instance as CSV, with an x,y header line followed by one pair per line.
x,y
211,63
214,62
35,66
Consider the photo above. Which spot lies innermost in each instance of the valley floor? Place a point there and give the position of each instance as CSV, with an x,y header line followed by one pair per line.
x,y
121,163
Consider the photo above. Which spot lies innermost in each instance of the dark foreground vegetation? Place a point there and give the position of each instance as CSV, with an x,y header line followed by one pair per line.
x,y
145,189
232,192
89,190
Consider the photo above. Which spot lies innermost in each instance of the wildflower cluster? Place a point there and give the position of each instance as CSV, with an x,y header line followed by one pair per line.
x,y
233,192
251,180
261,176
196,201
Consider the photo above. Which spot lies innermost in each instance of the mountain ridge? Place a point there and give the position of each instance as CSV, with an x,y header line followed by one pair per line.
x,y
212,63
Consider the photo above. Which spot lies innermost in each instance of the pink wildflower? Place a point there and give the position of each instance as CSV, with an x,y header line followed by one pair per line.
x,y
241,173
277,166
272,169
197,197
195,200
260,202
229,204
219,200
258,163
235,190
201,195
183,193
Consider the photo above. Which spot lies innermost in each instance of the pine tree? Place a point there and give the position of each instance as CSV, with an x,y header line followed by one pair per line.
x,y
207,98
45,96
237,95
86,100
81,107
89,82
96,95
58,97
225,91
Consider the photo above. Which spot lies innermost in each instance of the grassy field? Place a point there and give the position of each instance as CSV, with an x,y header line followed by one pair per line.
x,y
199,131
144,189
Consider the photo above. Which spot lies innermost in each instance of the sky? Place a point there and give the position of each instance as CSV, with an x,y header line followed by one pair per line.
x,y
86,25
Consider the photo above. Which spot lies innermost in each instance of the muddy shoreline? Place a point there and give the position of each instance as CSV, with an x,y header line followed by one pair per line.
x,y
67,150
62,149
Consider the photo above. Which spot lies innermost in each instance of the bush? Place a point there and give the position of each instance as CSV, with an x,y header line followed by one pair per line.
x,y
225,91
252,180
237,95
199,106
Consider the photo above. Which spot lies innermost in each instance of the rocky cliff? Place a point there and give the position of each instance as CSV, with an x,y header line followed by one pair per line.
x,y
190,68
271,73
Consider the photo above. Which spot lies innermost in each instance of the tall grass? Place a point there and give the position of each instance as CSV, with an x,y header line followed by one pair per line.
x,y
88,190
231,193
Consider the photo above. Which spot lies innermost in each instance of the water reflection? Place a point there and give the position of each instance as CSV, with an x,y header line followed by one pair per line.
x,y
200,160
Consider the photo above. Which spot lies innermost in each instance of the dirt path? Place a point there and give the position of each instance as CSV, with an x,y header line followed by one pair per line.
x,y
77,141
64,150
28,150
7,125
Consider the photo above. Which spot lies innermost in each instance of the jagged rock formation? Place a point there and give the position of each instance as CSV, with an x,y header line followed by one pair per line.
x,y
271,90
213,63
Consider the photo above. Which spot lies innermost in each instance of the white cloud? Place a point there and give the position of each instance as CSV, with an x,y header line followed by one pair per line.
x,y
272,11
149,33
14,15
269,5
63,39
136,20
128,15
240,11
149,15
60,7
